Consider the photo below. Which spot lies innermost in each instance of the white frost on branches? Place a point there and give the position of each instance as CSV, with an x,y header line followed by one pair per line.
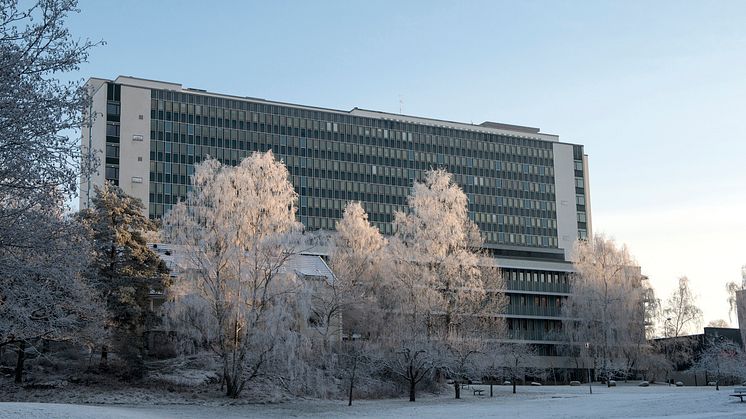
x,y
607,305
236,231
446,295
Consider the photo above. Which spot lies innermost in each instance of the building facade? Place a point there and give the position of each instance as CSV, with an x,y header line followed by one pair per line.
x,y
528,191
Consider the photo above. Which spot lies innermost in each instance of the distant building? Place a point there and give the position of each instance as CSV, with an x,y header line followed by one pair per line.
x,y
528,191
701,341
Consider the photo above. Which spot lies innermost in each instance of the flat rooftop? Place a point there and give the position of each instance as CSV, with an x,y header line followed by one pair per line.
x,y
486,127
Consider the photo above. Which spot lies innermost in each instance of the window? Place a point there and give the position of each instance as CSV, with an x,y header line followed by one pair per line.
x,y
112,150
112,129
112,108
112,172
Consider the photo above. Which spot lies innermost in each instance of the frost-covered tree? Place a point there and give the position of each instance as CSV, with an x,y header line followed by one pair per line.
x,y
653,363
36,107
635,347
516,361
123,269
681,311
721,358
348,305
606,308
39,260
732,288
447,292
718,323
652,309
43,296
355,258
411,353
235,233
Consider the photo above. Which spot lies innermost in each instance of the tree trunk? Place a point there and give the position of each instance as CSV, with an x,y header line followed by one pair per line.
x,y
232,387
104,357
457,388
412,385
352,383
514,386
490,389
19,362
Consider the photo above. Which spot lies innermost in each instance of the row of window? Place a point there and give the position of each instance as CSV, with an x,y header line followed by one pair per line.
x,y
537,325
580,191
511,191
180,102
113,96
502,165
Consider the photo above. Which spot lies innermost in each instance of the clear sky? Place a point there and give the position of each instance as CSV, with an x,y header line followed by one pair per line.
x,y
655,90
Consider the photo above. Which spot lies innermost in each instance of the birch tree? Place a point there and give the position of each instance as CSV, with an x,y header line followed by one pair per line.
x,y
732,289
355,258
681,311
235,231
448,293
347,305
606,308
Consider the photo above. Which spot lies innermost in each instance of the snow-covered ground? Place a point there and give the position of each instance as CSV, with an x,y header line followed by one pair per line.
x,y
626,401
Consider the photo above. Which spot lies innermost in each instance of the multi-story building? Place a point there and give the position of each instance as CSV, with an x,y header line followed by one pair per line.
x,y
528,191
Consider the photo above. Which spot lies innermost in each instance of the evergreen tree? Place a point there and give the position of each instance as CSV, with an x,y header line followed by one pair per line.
x,y
124,269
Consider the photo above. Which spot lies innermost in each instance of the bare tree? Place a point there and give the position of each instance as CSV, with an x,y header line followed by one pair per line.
x,y
516,361
235,231
681,311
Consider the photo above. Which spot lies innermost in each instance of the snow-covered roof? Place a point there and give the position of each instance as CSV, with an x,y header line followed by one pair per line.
x,y
309,267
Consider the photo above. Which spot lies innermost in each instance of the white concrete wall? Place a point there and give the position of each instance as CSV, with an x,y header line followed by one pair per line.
x,y
567,214
96,134
134,154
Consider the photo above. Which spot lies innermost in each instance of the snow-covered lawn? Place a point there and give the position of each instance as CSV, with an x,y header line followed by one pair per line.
x,y
626,401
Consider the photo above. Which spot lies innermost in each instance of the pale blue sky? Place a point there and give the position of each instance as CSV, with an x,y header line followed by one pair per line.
x,y
655,90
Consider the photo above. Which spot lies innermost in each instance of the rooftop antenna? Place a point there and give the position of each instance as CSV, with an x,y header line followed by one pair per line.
x,y
401,103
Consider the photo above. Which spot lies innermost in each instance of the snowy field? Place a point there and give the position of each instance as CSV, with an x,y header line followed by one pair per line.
x,y
626,401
